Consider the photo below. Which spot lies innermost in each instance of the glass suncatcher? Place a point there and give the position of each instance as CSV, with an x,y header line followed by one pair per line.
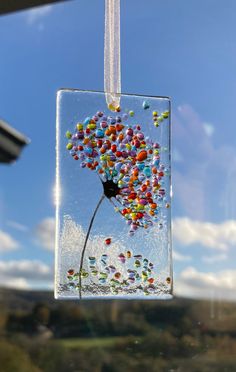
x,y
113,236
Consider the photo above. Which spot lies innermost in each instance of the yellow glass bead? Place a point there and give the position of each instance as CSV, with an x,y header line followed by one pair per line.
x,y
165,114
79,126
113,107
91,126
140,207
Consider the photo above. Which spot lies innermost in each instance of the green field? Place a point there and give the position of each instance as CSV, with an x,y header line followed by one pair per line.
x,y
98,342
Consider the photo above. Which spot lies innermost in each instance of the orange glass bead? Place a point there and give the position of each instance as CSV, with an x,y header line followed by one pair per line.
x,y
128,254
142,155
121,137
119,127
153,205
113,137
112,129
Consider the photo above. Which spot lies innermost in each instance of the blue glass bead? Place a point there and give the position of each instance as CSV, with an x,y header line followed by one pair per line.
x,y
88,150
141,166
99,133
87,121
92,260
147,171
156,162
118,166
102,280
146,105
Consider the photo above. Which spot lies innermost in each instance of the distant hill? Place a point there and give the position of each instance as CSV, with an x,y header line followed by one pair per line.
x,y
213,315
43,334
15,299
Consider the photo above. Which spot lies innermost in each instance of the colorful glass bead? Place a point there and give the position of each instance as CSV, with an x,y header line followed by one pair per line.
x,y
121,257
108,241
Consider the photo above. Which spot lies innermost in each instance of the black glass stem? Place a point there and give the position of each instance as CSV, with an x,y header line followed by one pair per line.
x,y
110,190
86,240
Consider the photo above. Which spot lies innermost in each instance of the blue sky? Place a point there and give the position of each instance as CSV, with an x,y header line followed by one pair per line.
x,y
183,49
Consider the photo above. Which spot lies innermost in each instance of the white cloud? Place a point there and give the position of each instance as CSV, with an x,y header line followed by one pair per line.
x,y
181,257
29,269
35,14
7,243
215,258
25,274
17,226
16,283
196,284
196,179
211,235
209,129
45,233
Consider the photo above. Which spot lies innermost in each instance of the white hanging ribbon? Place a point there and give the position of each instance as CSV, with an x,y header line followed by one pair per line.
x,y
112,79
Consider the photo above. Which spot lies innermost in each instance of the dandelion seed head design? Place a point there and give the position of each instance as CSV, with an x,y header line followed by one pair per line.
x,y
127,162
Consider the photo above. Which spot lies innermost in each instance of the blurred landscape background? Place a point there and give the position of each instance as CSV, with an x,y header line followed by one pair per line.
x,y
40,334
182,49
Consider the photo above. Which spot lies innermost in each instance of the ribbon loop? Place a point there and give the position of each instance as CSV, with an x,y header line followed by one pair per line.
x,y
112,74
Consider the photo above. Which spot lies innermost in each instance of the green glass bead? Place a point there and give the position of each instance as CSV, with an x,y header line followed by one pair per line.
x,y
68,134
69,146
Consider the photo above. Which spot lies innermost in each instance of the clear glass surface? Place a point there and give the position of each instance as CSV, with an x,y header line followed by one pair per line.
x,y
113,197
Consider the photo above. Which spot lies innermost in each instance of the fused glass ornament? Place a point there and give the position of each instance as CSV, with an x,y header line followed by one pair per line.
x,y
113,225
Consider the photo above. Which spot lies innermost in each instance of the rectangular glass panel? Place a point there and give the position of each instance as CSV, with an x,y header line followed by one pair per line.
x,y
113,197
